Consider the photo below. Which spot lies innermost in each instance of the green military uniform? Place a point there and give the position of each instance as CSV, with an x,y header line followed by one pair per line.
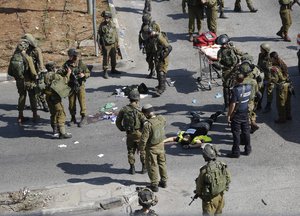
x,y
108,41
251,104
195,13
152,139
134,135
283,97
238,8
54,99
145,43
228,68
161,48
77,86
211,205
211,15
264,63
286,18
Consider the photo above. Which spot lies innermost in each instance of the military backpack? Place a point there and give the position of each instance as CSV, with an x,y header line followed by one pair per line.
x,y
16,66
131,120
229,57
216,179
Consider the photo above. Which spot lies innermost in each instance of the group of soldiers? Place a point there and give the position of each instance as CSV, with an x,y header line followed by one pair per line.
x,y
49,82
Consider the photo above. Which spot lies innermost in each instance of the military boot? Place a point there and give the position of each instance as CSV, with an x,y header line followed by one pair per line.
x,y
35,117
132,169
280,34
105,74
45,107
83,121
63,134
222,15
151,74
253,10
144,169
114,71
237,8
154,188
21,118
162,83
267,108
55,129
162,184
73,121
254,127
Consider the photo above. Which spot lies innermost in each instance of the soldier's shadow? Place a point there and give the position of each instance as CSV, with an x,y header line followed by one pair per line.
x,y
106,180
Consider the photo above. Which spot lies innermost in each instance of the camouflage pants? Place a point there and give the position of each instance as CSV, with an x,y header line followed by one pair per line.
x,y
212,16
162,65
132,146
194,14
251,111
150,60
214,206
80,95
249,4
286,19
22,90
109,52
156,164
57,111
283,101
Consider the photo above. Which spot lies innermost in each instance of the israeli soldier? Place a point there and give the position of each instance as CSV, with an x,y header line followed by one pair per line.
x,y
195,9
286,19
36,53
108,43
147,7
80,73
152,140
248,70
130,120
280,78
211,189
264,63
146,199
211,9
56,82
161,49
238,8
22,68
228,58
144,43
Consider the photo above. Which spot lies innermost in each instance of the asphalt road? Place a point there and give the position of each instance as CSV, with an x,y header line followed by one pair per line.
x,y
265,183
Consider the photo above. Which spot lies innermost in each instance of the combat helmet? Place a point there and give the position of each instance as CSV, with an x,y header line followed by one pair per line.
x,y
72,52
106,14
223,39
246,67
146,18
50,66
266,47
31,40
147,198
209,152
134,95
247,57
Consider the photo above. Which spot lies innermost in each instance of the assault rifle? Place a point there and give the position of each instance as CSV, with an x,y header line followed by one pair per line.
x,y
75,81
193,198
294,2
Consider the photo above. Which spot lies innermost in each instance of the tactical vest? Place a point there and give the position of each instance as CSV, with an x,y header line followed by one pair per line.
x,y
131,120
109,34
228,57
158,130
216,179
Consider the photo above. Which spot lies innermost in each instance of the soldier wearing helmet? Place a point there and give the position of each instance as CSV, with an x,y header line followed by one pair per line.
x,y
152,141
147,199
212,182
228,58
108,43
280,78
130,120
195,9
264,63
80,73
144,42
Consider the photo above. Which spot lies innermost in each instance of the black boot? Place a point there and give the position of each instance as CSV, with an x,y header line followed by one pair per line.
x,y
151,74
83,121
105,74
161,83
63,134
73,121
55,129
222,15
237,8
132,169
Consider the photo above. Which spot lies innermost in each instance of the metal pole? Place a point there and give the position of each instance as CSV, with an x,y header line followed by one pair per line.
x,y
89,6
95,28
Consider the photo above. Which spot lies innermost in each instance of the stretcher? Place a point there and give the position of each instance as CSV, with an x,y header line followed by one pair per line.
x,y
208,74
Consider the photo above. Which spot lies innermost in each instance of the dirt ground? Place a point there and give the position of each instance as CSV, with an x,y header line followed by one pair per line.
x,y
57,24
